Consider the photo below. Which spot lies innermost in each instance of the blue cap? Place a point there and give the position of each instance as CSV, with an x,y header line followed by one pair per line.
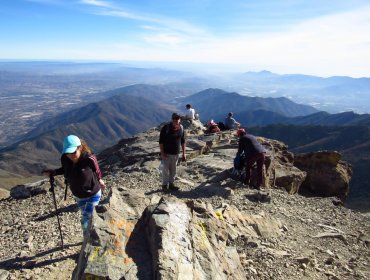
x,y
70,144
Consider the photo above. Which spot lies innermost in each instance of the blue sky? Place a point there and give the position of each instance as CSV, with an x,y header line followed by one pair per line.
x,y
318,37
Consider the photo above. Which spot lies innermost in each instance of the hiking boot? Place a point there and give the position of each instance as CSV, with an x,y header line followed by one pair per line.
x,y
164,187
258,187
172,187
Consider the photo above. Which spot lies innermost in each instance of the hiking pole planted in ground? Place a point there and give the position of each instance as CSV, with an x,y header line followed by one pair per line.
x,y
65,193
52,186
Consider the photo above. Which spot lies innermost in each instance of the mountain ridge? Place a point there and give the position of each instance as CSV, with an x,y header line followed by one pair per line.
x,y
211,102
104,123
99,124
125,112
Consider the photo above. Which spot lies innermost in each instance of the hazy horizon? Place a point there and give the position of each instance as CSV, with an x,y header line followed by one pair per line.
x,y
193,67
321,38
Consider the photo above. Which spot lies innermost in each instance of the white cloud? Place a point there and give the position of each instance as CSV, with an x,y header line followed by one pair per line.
x,y
149,27
98,3
331,45
49,2
161,22
337,44
167,39
123,14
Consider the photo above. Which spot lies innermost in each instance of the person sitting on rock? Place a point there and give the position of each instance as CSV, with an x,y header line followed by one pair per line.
x,y
212,127
189,117
230,122
190,113
81,170
254,152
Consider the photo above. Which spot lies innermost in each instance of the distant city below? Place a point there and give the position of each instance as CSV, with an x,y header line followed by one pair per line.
x,y
32,92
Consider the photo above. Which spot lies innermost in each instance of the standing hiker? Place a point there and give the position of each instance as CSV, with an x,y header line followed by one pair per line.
x,y
254,152
81,170
171,137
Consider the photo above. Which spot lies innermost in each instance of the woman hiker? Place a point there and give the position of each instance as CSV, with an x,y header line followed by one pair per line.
x,y
81,170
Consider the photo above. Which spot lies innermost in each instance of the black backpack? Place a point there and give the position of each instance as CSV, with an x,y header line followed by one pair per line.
x,y
221,126
239,161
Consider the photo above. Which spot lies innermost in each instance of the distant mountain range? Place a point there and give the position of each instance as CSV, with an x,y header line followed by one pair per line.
x,y
132,109
38,90
216,103
263,118
125,112
332,94
299,80
258,111
100,124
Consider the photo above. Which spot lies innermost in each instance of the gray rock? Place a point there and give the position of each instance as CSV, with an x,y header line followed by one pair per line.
x,y
4,274
28,190
327,175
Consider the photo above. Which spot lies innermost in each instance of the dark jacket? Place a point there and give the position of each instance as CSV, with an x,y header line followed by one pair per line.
x,y
171,140
83,177
249,145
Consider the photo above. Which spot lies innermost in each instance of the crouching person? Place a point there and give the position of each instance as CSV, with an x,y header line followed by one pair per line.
x,y
81,170
254,152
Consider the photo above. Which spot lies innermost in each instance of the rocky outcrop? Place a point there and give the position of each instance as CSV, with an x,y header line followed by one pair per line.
x,y
142,151
28,190
171,239
36,188
212,228
327,174
181,239
194,127
116,247
279,167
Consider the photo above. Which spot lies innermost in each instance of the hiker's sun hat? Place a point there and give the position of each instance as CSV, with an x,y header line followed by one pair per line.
x,y
70,144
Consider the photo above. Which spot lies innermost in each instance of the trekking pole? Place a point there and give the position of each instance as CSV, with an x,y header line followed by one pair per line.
x,y
65,192
52,186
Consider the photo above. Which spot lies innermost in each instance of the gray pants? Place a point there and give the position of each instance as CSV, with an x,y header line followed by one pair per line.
x,y
169,169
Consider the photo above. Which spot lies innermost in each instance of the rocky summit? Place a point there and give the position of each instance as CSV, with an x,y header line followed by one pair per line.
x,y
214,227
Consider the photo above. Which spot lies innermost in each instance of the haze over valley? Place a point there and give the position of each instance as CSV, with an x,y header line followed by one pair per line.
x,y
44,101
31,92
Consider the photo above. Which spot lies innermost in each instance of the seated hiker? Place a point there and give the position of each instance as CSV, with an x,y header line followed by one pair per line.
x,y
221,126
254,153
212,127
230,122
190,113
